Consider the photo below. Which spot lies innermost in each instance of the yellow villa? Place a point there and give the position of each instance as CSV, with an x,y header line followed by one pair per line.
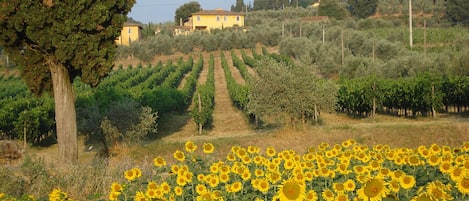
x,y
215,19
130,32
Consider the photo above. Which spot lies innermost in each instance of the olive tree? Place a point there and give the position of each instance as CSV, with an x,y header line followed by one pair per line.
x,y
282,92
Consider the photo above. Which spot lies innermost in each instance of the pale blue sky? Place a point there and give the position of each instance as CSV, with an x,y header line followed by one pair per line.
x,y
157,11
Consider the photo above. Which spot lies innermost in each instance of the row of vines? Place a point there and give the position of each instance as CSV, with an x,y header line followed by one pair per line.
x,y
204,100
120,98
420,95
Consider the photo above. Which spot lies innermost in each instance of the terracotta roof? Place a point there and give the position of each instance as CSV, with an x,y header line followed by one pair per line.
x,y
131,24
216,12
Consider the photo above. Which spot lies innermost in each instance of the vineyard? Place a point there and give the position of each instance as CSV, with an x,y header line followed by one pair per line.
x,y
173,87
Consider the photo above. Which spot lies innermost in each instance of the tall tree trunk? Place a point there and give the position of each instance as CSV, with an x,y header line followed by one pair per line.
x,y
65,114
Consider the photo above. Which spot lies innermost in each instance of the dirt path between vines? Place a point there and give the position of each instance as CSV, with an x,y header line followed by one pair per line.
x,y
228,121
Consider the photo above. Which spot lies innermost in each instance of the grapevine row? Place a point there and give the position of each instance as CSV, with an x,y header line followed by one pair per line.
x,y
421,95
238,93
204,99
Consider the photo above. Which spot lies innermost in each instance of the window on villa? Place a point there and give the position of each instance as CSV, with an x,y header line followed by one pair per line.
x,y
130,30
225,18
218,18
198,18
237,18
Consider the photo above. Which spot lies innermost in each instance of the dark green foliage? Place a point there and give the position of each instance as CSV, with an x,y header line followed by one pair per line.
x,y
286,92
458,11
82,38
362,8
408,97
456,93
239,64
239,6
184,44
203,115
238,93
164,99
175,78
250,61
191,80
332,9
36,114
186,10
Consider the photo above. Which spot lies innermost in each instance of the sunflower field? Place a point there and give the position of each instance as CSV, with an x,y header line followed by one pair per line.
x,y
346,171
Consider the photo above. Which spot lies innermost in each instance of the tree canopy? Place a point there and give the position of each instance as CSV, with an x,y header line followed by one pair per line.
x,y
186,10
362,8
333,9
458,11
55,41
284,91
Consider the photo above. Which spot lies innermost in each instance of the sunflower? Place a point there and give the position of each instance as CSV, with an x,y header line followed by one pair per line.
x,y
190,146
152,185
407,181
151,193
230,157
394,185
246,175
270,151
373,190
422,197
181,180
338,187
165,187
224,177
253,149
433,160
178,190
214,168
140,196
130,175
311,195
374,165
346,143
456,173
246,159
463,185
208,148
159,161
179,155
137,172
445,167
258,160
263,186
291,190
236,187
328,195
342,197
259,172
200,189
439,191
116,187
274,177
349,185
435,149
465,146
114,195
289,164
414,161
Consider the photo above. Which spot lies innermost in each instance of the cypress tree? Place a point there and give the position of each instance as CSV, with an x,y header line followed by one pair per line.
x,y
54,42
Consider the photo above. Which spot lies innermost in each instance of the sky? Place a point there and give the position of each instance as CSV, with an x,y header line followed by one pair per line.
x,y
158,11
